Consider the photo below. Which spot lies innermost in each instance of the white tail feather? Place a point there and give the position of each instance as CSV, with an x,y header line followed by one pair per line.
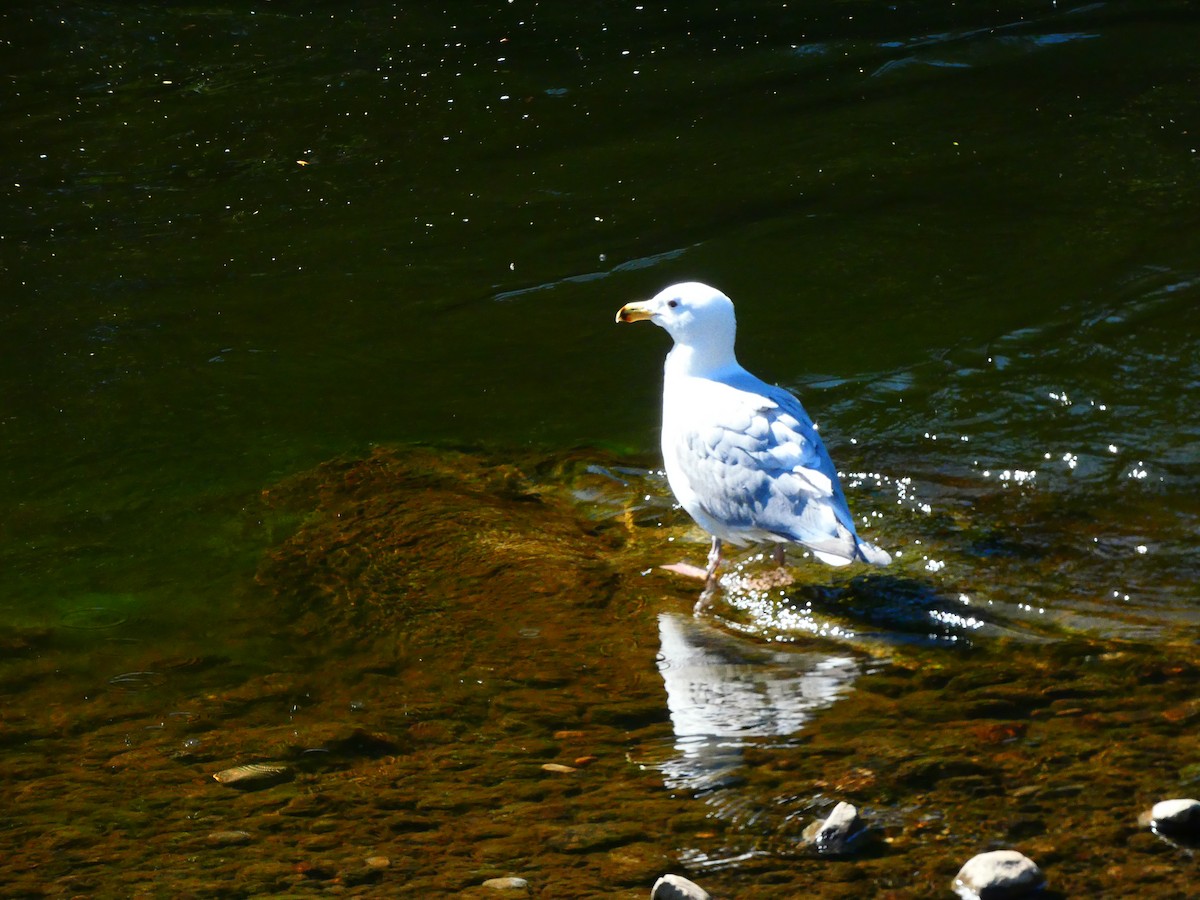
x,y
873,555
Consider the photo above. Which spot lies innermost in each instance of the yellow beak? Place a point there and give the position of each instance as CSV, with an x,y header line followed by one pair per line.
x,y
634,312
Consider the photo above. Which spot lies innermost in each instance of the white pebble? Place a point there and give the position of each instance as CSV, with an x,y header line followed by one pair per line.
x,y
1176,818
998,874
676,887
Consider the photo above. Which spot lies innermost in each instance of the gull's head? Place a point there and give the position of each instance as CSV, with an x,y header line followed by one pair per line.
x,y
694,314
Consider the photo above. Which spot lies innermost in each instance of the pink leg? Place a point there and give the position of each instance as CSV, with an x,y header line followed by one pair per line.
x,y
710,578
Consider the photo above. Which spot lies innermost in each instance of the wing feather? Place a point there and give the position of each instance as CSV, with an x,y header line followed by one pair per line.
x,y
756,469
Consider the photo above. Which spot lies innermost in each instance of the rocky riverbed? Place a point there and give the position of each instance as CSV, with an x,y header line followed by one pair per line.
x,y
482,689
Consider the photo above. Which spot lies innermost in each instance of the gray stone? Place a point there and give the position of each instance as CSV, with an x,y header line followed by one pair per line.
x,y
1176,818
998,875
676,887
837,834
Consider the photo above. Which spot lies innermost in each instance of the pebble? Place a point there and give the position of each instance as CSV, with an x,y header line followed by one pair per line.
x,y
507,884
1176,819
229,838
254,775
676,887
377,862
837,834
592,837
558,767
998,875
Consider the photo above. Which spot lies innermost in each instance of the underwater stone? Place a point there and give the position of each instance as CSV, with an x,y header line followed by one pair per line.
x,y
590,837
253,776
507,884
229,838
838,832
634,865
998,875
676,887
1176,818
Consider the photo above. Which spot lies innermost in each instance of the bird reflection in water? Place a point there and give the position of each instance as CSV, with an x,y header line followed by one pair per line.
x,y
724,693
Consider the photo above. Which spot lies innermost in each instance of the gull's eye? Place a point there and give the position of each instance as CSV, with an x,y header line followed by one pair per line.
x,y
672,303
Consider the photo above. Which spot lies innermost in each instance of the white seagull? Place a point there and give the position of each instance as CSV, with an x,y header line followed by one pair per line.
x,y
742,456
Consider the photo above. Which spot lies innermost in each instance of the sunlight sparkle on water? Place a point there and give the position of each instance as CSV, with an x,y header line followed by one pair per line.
x,y
903,487
773,609
1062,398
1018,475
955,620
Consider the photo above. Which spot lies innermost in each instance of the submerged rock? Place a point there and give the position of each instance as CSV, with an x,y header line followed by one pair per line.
x,y
253,776
441,546
676,887
838,833
588,837
507,884
229,838
998,875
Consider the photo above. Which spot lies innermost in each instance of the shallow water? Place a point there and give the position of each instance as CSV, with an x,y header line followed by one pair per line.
x,y
240,241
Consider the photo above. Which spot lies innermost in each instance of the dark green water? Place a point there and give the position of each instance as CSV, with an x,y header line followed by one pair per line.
x,y
240,240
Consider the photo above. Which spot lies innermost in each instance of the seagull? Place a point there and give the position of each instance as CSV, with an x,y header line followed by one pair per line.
x,y
742,456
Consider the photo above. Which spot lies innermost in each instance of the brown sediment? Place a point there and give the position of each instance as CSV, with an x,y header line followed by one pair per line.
x,y
479,699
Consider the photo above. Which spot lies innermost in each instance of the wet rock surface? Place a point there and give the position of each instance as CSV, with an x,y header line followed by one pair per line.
x,y
405,776
1176,820
837,834
676,887
998,875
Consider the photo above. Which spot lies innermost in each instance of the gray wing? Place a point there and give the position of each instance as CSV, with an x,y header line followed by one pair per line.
x,y
758,466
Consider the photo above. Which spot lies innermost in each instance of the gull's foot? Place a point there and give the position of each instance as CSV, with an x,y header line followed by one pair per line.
x,y
687,570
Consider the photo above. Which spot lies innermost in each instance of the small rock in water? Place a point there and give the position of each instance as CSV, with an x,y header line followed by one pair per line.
x,y
676,887
377,862
253,776
998,875
507,884
1179,819
558,767
229,838
837,834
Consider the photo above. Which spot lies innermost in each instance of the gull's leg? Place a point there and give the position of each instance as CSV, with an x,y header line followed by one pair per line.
x,y
710,578
714,560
